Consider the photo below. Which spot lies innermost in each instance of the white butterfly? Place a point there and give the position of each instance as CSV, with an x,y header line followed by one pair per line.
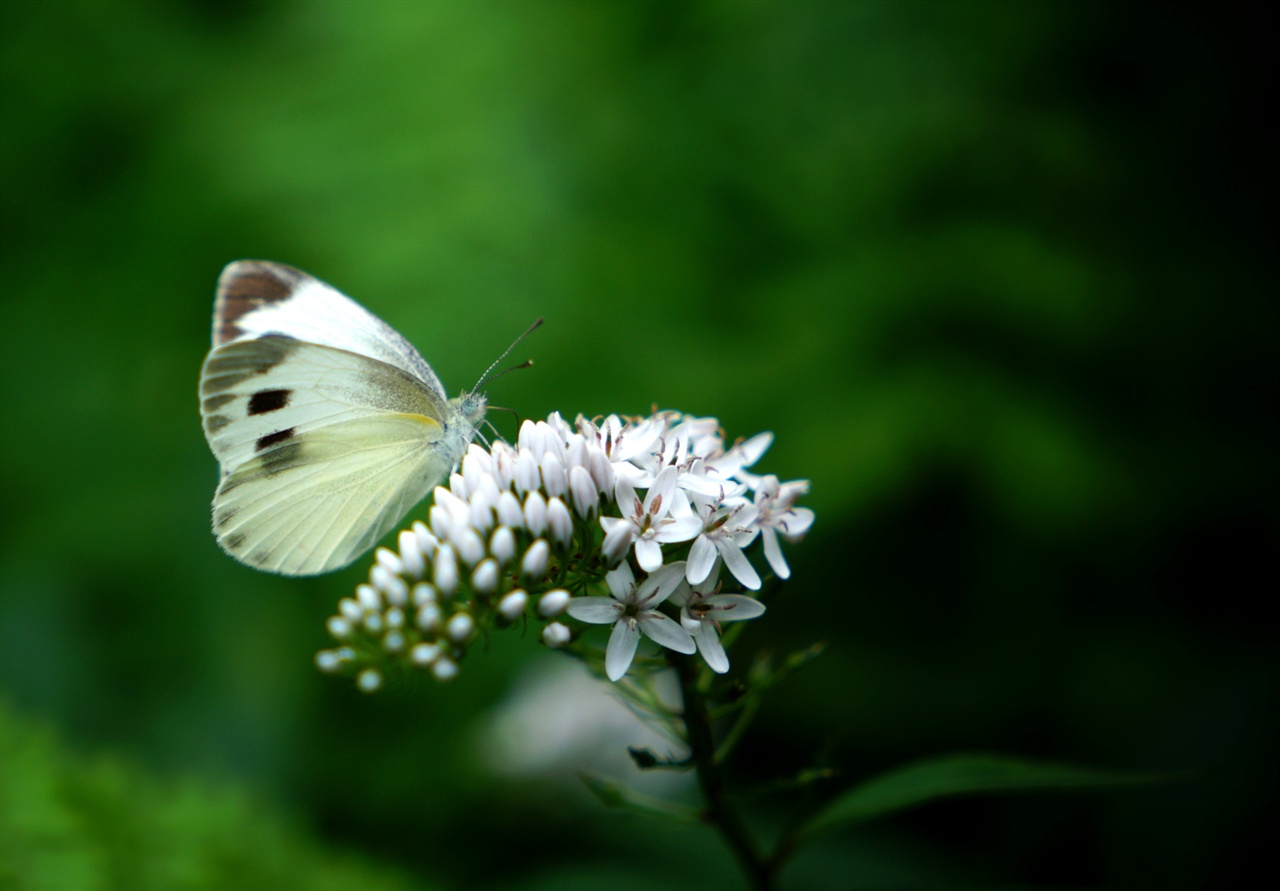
x,y
328,424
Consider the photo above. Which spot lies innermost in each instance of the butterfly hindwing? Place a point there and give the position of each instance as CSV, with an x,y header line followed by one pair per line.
x,y
315,503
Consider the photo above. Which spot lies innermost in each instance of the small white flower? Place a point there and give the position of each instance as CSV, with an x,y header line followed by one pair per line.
x,y
727,528
701,612
664,516
775,514
634,611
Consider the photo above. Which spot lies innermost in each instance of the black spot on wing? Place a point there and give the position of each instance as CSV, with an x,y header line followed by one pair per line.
x,y
214,423
233,541
268,400
266,442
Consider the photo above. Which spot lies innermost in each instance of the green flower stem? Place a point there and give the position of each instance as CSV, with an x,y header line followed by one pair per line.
x,y
719,810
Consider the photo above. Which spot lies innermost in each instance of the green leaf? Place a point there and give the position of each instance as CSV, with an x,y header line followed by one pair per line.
x,y
966,774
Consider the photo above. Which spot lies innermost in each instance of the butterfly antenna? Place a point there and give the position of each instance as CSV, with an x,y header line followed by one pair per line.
x,y
489,376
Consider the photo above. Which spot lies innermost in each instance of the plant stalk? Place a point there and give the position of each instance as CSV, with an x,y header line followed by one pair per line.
x,y
719,811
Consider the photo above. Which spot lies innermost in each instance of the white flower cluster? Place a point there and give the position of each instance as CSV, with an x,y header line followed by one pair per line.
x,y
534,531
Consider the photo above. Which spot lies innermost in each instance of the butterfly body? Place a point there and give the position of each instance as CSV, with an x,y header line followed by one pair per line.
x,y
328,424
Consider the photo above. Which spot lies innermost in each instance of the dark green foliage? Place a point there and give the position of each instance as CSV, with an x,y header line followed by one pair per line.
x,y
1000,276
70,822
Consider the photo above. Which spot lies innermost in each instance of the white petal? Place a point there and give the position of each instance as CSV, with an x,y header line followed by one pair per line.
x,y
666,632
648,554
773,554
734,607
626,496
702,558
796,521
617,541
738,564
660,584
755,447
712,649
661,488
681,529
621,582
621,650
593,610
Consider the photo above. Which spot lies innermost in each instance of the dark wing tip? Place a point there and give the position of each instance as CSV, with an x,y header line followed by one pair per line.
x,y
246,285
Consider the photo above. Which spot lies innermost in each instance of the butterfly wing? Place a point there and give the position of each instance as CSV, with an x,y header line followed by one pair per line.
x,y
257,298
329,425
322,450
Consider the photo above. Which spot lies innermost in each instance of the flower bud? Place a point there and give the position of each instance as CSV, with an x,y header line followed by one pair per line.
x,y
509,511
369,680
369,598
424,654
411,554
428,617
528,479
512,606
555,480
556,635
460,627
424,592
583,492
444,668
535,513
553,603
560,522
445,570
502,545
535,559
485,577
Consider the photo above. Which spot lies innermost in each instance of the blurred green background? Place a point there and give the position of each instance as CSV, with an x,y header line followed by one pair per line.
x,y
1000,276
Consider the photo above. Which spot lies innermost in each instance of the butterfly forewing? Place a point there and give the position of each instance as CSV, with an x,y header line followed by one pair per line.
x,y
258,298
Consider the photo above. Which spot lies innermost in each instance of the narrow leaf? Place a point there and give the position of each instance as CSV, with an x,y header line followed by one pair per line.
x,y
965,774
